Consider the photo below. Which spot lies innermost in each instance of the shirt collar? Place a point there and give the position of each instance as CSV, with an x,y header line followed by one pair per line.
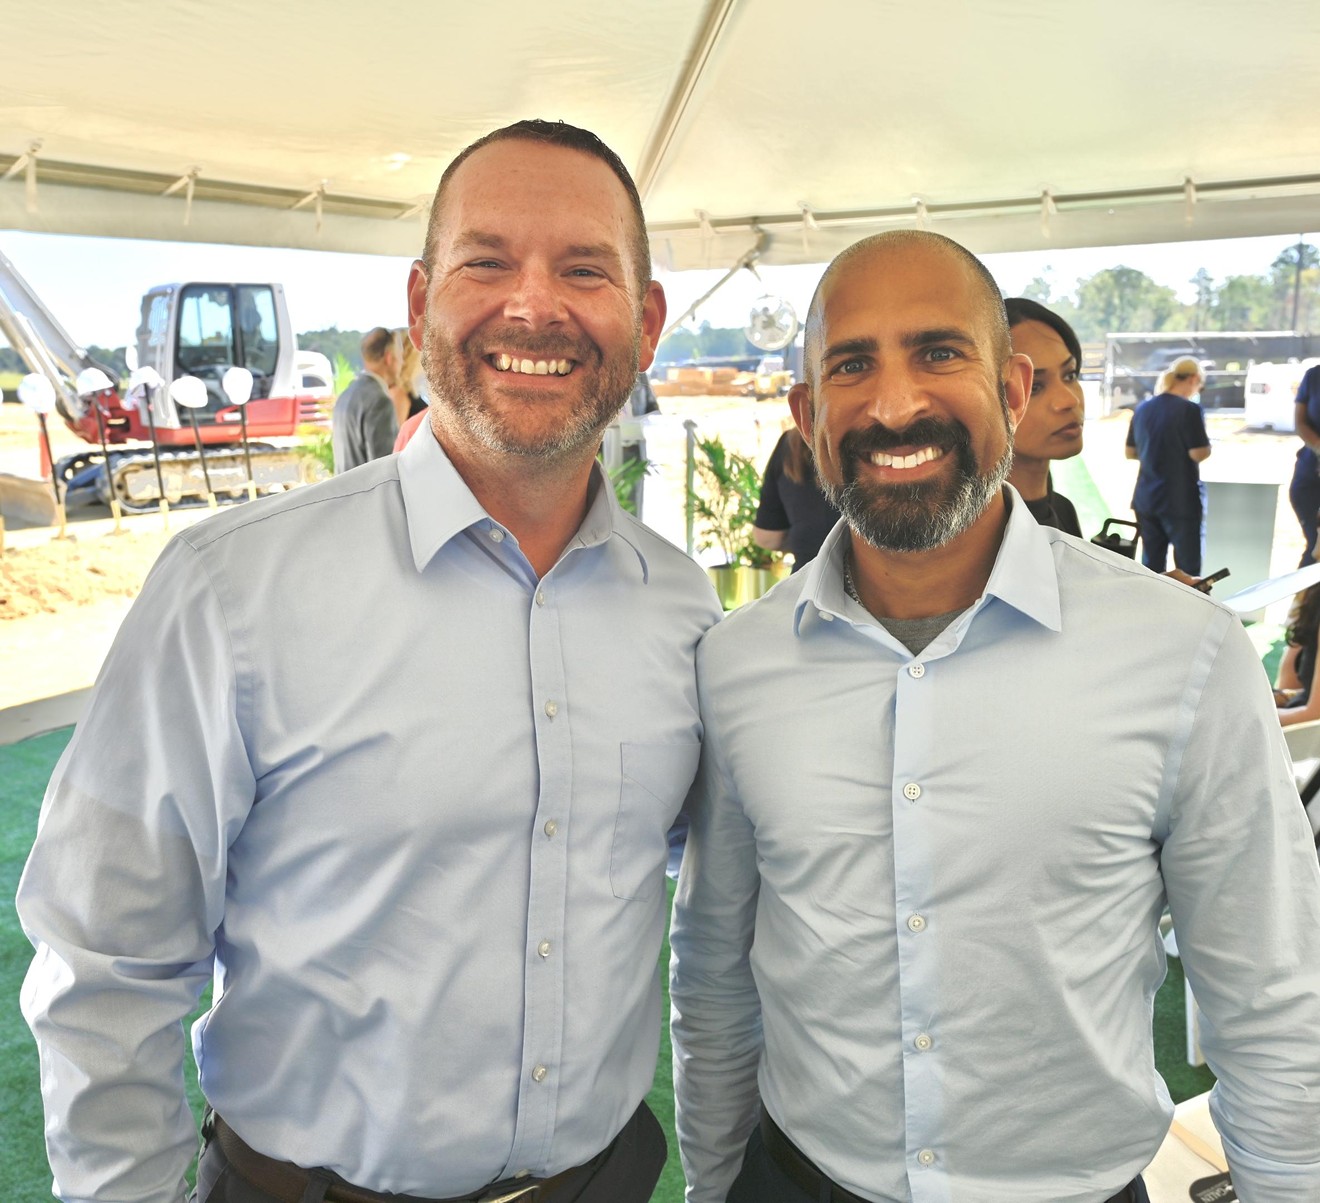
x,y
439,505
1023,576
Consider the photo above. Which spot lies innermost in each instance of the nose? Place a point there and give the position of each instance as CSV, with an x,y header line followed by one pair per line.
x,y
535,297
898,398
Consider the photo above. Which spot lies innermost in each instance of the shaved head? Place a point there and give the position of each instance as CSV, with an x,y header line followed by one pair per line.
x,y
869,254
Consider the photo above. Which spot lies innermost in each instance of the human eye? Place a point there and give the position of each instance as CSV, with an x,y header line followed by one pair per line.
x,y
1037,385
852,366
942,354
1071,376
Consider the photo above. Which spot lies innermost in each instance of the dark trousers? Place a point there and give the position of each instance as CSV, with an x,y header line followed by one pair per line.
x,y
1305,498
762,1181
1181,531
627,1172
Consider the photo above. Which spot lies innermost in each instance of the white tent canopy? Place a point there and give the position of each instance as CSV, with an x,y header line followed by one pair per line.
x,y
1007,124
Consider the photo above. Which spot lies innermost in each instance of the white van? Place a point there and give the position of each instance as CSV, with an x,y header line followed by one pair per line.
x,y
1271,392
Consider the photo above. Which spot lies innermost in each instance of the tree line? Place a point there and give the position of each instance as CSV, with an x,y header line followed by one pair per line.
x,y
1123,300
1116,300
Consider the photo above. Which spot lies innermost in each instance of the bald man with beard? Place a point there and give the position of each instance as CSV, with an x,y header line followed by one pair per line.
x,y
916,936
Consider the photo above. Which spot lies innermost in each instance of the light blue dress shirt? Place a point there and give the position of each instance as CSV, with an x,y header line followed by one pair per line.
x,y
408,802
922,893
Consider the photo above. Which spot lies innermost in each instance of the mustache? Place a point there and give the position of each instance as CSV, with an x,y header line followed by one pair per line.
x,y
532,345
862,444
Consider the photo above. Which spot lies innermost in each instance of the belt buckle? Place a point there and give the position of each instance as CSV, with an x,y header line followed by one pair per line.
x,y
526,1194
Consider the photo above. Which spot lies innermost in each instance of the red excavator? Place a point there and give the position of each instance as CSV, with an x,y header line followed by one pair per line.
x,y
196,329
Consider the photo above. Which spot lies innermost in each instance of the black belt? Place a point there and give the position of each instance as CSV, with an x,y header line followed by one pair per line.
x,y
290,1183
805,1175
799,1168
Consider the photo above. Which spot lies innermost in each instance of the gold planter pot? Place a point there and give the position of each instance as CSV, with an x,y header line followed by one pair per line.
x,y
736,584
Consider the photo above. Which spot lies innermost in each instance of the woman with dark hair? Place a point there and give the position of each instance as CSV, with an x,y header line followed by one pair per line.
x,y
1296,694
794,515
1051,428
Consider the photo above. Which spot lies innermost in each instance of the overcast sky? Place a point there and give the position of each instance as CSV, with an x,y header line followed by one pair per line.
x,y
94,286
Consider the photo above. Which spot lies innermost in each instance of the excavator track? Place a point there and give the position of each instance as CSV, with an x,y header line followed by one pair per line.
x,y
133,474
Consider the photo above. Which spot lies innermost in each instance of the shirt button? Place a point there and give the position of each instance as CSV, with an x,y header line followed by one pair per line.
x,y
544,948
916,923
916,670
912,791
540,597
538,1074
923,1043
827,616
926,1157
551,827
551,709
496,535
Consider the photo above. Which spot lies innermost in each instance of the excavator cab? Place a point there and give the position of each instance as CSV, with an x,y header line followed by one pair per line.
x,y
203,330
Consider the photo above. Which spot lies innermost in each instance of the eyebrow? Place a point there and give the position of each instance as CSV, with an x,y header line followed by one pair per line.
x,y
601,251
910,342
941,334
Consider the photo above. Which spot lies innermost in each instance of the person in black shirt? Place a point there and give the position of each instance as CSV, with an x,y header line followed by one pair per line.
x,y
793,515
1052,426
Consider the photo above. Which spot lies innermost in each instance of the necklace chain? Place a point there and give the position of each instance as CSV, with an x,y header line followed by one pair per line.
x,y
849,587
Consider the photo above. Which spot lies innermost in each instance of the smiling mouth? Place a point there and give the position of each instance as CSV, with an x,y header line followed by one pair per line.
x,y
882,459
530,367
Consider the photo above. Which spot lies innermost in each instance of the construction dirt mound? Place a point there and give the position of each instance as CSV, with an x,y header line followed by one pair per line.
x,y
70,572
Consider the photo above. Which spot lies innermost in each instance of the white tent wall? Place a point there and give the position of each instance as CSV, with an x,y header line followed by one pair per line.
x,y
734,114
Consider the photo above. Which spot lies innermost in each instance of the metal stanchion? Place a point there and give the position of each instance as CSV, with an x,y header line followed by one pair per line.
x,y
93,384
190,392
690,428
37,393
148,379
237,386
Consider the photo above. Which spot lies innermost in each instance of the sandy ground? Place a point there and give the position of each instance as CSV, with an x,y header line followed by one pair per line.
x,y
61,601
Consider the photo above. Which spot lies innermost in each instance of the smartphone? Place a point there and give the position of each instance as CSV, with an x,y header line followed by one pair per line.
x,y
1205,583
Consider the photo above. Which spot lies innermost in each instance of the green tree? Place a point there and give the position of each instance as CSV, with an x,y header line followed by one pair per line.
x,y
1205,298
1295,279
1038,290
1243,303
1121,300
334,343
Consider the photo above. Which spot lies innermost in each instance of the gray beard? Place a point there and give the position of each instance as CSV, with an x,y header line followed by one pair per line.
x,y
453,378
928,514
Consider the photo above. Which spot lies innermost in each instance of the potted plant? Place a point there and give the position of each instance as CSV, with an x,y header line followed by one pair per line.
x,y
724,498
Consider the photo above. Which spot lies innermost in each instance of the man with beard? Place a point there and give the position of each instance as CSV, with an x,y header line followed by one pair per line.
x,y
916,936
393,759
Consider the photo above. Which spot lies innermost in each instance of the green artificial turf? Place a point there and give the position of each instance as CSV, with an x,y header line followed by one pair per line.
x,y
24,1175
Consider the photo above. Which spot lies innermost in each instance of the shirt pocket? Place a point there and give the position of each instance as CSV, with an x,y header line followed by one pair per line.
x,y
654,781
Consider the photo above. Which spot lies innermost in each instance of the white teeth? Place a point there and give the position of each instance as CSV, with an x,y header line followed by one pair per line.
x,y
528,367
882,459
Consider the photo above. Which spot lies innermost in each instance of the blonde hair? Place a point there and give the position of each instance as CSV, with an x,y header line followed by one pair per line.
x,y
1180,369
410,362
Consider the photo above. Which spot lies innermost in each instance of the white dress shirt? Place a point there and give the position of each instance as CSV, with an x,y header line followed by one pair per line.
x,y
922,893
407,803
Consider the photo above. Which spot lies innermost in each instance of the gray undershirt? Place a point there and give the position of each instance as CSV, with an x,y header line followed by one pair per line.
x,y
916,633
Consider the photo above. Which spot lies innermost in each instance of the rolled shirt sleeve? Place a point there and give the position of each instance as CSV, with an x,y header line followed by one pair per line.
x,y
124,890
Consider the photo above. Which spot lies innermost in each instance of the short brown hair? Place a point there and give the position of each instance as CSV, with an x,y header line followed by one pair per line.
x,y
570,137
375,344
